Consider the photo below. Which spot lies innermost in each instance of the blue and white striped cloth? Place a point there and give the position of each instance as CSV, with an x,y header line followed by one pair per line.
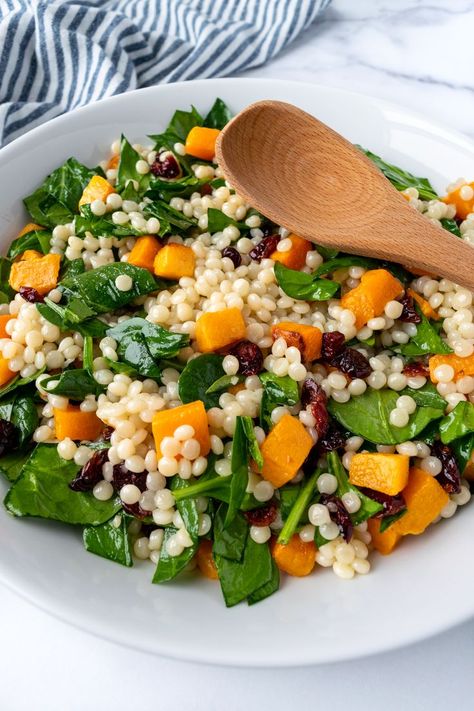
x,y
56,55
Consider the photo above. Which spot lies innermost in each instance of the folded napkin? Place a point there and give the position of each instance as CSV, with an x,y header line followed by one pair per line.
x,y
56,55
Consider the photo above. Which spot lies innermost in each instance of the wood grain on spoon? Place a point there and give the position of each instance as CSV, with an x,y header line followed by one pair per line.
x,y
301,174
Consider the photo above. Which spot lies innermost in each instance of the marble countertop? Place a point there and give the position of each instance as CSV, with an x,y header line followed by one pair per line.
x,y
418,53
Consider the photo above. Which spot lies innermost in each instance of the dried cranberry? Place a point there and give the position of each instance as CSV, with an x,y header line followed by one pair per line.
x,y
232,254
205,189
263,516
352,363
391,504
250,357
413,370
333,344
264,248
339,514
268,228
31,295
91,472
8,437
409,314
449,477
313,394
122,476
167,168
333,439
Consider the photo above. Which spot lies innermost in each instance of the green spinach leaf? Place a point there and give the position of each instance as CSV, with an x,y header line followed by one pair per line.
x,y
305,495
35,239
198,375
387,521
302,286
6,292
240,464
462,449
101,225
401,179
351,260
368,415
218,116
451,226
268,588
127,170
42,490
426,340
171,220
110,541
458,423
229,541
74,384
18,382
12,464
240,579
168,567
224,383
183,121
277,390
68,318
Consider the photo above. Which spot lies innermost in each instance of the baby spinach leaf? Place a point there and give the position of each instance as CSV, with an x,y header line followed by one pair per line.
x,y
187,508
326,252
161,189
268,588
218,221
218,116
426,341
240,579
66,319
168,567
427,396
141,344
74,384
208,484
277,390
253,449
12,464
71,267
401,179
88,354
97,291
101,225
229,541
451,226
110,541
288,495
183,121
368,507
302,286
305,495
127,170
198,375
224,383
351,260
35,239
458,423
462,449
42,490
368,415
56,201
18,382
6,292
20,410
170,219
239,464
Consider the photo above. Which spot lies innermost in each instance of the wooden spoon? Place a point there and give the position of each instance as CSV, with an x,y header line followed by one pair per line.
x,y
303,175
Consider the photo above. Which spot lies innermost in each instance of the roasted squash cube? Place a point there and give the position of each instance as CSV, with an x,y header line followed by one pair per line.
x,y
165,422
387,473
217,329
174,261
284,450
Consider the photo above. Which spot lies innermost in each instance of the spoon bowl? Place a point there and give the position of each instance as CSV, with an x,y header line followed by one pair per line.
x,y
302,175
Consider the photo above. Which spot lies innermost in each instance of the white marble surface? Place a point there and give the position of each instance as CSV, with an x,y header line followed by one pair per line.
x,y
415,52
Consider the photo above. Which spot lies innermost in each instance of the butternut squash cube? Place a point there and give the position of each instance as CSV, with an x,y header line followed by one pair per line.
x,y
174,261
307,339
205,560
5,373
201,142
165,422
113,161
425,499
387,473
217,329
40,273
30,227
462,366
296,557
98,188
144,252
284,450
463,207
383,542
368,300
4,319
76,424
295,257
28,254
424,305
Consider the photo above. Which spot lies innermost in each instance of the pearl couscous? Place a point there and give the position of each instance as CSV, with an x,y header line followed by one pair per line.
x,y
197,387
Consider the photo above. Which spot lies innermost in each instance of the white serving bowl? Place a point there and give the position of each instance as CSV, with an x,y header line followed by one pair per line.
x,y
426,586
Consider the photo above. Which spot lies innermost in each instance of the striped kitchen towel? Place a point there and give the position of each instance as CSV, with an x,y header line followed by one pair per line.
x,y
56,55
